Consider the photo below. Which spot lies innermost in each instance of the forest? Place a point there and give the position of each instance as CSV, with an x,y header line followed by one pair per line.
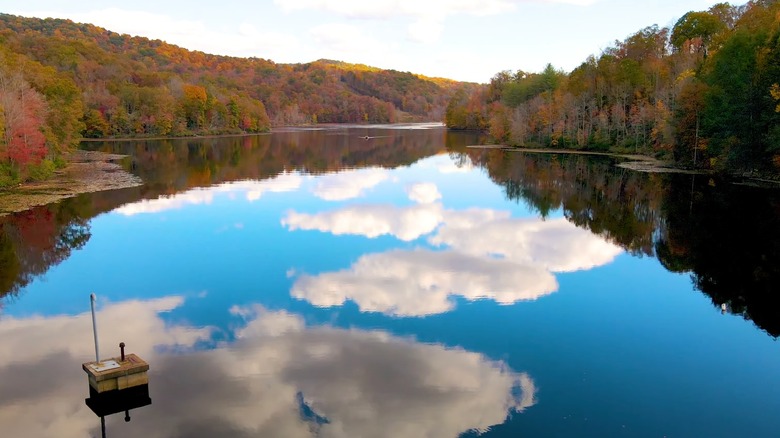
x,y
62,81
704,94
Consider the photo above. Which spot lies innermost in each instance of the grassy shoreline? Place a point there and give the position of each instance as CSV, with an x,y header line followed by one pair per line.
x,y
642,163
85,172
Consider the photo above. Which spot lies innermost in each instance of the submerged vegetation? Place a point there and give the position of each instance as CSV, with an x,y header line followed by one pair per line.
x,y
703,93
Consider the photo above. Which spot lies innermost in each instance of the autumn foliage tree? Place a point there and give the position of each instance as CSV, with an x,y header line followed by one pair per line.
x,y
699,93
62,81
142,87
22,123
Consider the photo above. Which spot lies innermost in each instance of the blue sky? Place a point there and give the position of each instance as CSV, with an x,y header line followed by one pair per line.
x,y
467,40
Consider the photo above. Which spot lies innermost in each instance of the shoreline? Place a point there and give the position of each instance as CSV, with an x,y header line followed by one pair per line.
x,y
635,157
647,164
635,162
275,129
86,172
188,137
93,171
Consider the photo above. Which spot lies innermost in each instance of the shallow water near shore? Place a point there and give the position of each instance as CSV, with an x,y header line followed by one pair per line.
x,y
321,283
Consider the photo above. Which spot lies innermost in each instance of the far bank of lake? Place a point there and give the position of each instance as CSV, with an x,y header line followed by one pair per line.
x,y
89,170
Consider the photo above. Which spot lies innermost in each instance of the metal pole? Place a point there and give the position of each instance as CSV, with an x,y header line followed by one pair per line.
x,y
94,327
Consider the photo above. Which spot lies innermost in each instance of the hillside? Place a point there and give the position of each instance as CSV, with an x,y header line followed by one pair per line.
x,y
61,80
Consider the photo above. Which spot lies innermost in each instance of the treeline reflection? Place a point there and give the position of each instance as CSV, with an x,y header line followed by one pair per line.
x,y
726,235
33,241
619,204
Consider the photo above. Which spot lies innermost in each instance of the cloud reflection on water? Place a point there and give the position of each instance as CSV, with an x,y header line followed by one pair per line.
x,y
42,386
486,254
339,186
253,190
421,282
351,382
349,184
404,223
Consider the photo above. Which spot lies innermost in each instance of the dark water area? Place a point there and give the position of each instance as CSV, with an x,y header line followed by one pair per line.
x,y
314,282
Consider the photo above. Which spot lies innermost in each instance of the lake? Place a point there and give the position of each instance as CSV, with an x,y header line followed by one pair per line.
x,y
314,282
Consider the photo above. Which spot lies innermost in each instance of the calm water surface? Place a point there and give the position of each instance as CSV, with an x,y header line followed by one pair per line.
x,y
316,283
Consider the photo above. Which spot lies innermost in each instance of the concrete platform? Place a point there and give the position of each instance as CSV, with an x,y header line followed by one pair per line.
x,y
114,374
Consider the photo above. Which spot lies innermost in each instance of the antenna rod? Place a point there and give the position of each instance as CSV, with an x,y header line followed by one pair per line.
x,y
94,327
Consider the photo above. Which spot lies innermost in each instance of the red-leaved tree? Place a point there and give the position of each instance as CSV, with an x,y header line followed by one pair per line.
x,y
24,113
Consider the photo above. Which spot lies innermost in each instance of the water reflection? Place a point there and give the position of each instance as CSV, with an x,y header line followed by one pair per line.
x,y
31,242
397,240
620,205
645,215
728,238
725,235
34,240
373,220
40,357
251,191
115,402
279,377
342,186
170,166
487,254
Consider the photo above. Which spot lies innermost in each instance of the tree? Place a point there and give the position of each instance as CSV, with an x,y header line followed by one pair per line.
x,y
697,25
465,111
24,114
194,105
689,136
96,125
740,117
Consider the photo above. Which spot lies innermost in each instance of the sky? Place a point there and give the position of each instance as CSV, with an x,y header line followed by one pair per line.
x,y
467,40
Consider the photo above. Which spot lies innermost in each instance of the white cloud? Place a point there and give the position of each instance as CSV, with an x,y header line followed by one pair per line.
x,y
364,383
448,163
451,167
384,9
285,182
28,339
422,282
555,244
349,184
426,17
277,379
342,37
486,254
424,193
40,361
242,40
252,190
165,203
426,31
407,223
